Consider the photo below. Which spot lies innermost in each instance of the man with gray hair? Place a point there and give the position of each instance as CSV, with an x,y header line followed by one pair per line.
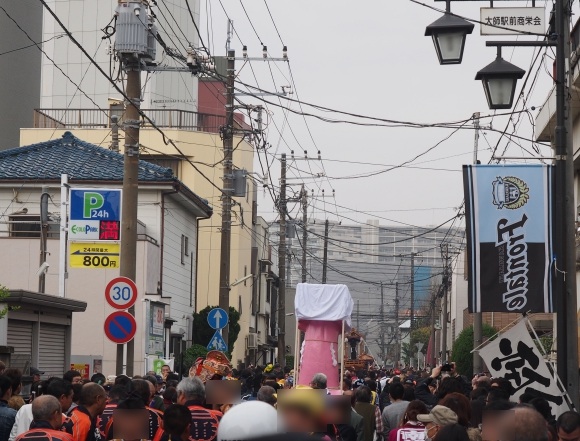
x,y
267,394
205,422
523,424
319,381
47,414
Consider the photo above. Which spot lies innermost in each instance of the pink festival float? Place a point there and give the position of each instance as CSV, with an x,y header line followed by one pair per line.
x,y
323,315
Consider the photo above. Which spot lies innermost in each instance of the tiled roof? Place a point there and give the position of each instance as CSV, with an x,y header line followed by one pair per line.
x,y
81,161
78,159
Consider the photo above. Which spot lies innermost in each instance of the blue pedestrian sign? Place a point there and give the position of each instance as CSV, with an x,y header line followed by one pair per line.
x,y
217,318
217,342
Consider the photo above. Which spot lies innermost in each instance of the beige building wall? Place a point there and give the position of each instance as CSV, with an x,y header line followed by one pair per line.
x,y
204,150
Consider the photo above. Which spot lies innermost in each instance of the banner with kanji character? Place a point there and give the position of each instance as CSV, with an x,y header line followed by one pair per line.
x,y
514,356
509,237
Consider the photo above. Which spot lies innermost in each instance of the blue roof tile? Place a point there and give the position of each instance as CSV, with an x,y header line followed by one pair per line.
x,y
79,159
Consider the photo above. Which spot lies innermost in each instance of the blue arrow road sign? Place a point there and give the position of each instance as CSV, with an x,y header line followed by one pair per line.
x,y
217,343
217,318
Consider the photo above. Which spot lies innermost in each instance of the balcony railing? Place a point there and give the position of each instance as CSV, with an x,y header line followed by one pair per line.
x,y
96,118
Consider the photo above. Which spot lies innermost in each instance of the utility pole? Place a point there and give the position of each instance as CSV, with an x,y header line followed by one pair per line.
x,y
282,266
128,262
565,213
304,231
477,317
226,232
397,329
432,339
446,275
325,255
382,336
412,291
43,237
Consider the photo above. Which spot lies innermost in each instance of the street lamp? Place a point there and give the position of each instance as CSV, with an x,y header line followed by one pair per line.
x,y
499,80
449,33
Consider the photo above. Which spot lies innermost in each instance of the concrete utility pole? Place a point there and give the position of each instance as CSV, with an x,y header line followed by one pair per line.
x,y
282,266
43,237
226,232
565,212
412,291
128,257
304,231
446,276
397,329
325,253
433,360
477,317
382,336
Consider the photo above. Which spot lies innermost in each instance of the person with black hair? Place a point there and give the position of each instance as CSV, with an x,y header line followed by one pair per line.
x,y
155,400
15,376
105,419
73,377
137,397
568,426
544,409
452,432
372,420
176,423
497,394
393,413
7,415
58,388
122,380
99,379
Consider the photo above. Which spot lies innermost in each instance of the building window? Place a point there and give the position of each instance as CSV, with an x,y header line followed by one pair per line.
x,y
24,226
184,248
164,162
245,274
240,304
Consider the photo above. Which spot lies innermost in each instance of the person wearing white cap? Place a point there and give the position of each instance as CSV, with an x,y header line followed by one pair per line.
x,y
248,420
438,417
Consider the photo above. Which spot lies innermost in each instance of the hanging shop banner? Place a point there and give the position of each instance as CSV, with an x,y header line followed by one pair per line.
x,y
509,237
514,356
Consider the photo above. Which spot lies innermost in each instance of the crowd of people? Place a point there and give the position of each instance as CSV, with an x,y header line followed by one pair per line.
x,y
217,403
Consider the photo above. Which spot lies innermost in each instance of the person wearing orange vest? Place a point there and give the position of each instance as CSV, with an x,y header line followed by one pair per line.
x,y
205,422
47,422
82,420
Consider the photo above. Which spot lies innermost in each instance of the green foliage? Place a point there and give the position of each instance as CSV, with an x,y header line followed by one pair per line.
x,y
4,294
191,354
202,332
545,344
462,347
420,335
407,353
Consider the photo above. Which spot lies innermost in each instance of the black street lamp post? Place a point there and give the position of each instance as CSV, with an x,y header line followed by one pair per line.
x,y
449,34
499,80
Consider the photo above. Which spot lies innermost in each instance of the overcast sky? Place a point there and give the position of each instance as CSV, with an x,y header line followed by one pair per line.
x,y
372,58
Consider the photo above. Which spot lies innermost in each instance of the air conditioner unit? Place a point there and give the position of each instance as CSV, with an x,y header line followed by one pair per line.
x,y
252,341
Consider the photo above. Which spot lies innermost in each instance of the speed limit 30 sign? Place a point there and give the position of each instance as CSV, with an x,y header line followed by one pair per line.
x,y
121,293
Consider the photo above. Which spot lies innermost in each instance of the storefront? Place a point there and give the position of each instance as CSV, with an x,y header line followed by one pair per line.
x,y
37,331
